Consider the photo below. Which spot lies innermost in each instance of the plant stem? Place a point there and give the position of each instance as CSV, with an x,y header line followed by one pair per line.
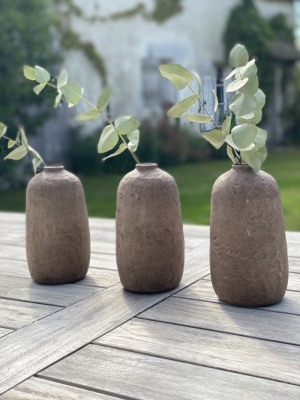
x,y
17,144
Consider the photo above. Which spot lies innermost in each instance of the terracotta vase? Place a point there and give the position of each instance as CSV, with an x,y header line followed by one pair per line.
x,y
57,228
248,250
150,242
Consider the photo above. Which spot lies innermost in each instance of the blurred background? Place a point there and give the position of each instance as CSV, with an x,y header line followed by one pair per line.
x,y
121,43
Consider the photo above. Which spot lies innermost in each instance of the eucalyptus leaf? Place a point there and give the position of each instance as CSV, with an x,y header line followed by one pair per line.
x,y
199,118
215,137
36,163
104,98
29,73
89,115
261,138
177,74
62,78
264,154
253,158
216,101
244,135
231,154
260,98
229,140
120,150
17,154
243,104
233,72
248,116
200,84
254,120
108,140
251,86
182,106
37,89
3,129
134,137
72,92
126,124
11,144
238,56
35,154
236,84
250,72
23,136
226,125
57,100
41,75
132,147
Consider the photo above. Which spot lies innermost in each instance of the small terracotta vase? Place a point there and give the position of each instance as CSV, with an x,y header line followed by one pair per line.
x,y
150,242
57,227
248,250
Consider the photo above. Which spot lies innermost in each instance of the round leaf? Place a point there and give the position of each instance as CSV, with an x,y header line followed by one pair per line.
x,y
134,137
37,89
231,155
72,92
182,106
244,135
132,147
253,158
36,163
260,98
236,84
41,75
89,115
216,101
233,72
104,98
215,137
17,154
261,137
229,140
177,74
251,86
29,73
226,125
199,118
11,144
62,78
253,120
57,100
109,138
120,150
35,153
126,124
264,154
243,104
238,56
3,129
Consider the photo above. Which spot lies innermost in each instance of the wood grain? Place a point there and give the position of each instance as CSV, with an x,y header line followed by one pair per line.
x,y
100,277
27,351
4,331
254,323
136,376
260,358
57,295
41,389
294,265
293,249
18,269
16,314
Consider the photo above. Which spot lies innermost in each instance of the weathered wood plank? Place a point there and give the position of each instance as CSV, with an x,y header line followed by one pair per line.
x,y
103,261
18,269
4,331
293,249
293,237
254,323
16,314
254,357
196,231
56,295
135,376
41,389
100,277
24,352
203,291
294,265
8,252
13,217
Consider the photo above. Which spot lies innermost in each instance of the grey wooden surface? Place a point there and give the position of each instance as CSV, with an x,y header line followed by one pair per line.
x,y
94,340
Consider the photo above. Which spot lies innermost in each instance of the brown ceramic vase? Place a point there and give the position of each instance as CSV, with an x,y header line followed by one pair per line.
x,y
57,228
150,243
248,250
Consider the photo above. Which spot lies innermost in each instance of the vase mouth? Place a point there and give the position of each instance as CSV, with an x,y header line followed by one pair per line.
x,y
53,168
240,166
144,166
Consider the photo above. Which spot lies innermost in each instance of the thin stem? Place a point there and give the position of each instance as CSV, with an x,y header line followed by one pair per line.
x,y
17,144
50,84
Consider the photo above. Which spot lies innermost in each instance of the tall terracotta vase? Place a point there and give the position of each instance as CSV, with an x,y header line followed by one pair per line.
x,y
150,243
57,228
248,251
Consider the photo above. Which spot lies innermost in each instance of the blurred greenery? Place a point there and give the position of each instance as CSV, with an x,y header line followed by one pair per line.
x,y
195,182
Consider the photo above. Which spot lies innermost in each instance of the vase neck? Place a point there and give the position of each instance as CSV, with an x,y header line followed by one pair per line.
x,y
242,168
146,166
53,168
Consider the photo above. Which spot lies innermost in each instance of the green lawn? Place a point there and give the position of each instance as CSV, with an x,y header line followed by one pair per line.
x,y
194,182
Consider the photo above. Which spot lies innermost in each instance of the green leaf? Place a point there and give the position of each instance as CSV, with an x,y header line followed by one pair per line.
x,y
72,92
120,150
236,84
132,147
250,72
104,98
226,126
57,100
36,163
177,74
238,56
251,86
260,98
182,106
29,73
216,101
35,154
231,155
261,138
109,138
11,144
62,78
41,75
248,116
3,129
243,104
215,137
89,115
23,136
233,72
17,154
199,118
200,84
244,135
134,137
264,154
254,120
229,140
37,89
126,124
253,158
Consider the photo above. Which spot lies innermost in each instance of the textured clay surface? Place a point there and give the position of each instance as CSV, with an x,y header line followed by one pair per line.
x,y
57,228
150,243
248,253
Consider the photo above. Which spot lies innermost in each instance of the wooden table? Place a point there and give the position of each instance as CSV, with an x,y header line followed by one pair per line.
x,y
94,340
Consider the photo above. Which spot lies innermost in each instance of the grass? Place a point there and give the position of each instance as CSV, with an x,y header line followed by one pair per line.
x,y
195,183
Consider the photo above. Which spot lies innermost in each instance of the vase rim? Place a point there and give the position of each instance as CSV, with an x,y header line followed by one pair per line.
x,y
144,166
51,168
244,166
